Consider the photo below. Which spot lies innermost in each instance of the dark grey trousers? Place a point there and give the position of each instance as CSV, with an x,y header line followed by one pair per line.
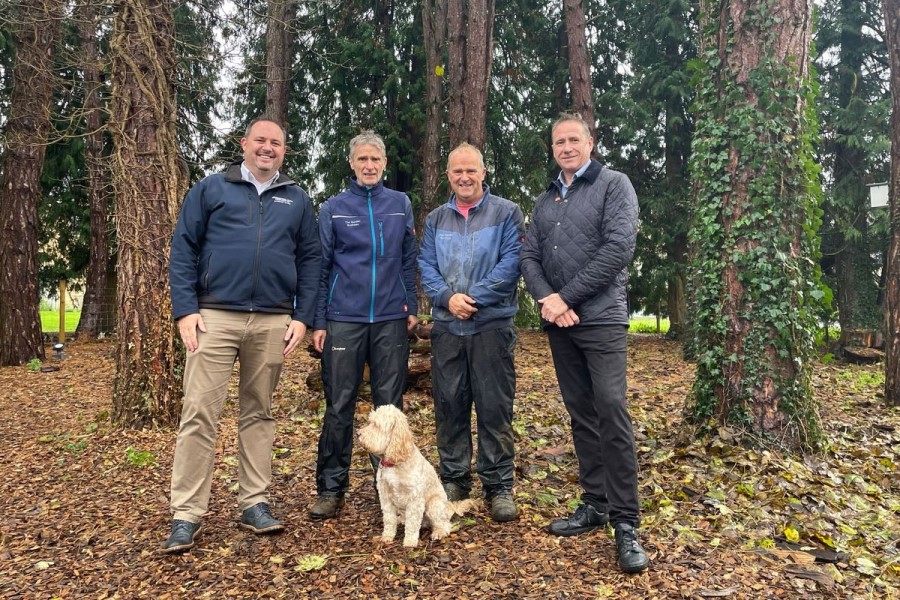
x,y
590,366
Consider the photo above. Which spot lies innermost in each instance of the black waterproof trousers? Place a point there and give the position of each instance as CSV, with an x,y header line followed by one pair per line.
x,y
475,369
348,347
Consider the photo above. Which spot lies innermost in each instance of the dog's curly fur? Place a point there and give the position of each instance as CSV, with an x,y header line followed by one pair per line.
x,y
408,486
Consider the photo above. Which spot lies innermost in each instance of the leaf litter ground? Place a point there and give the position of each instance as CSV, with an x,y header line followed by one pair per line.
x,y
84,506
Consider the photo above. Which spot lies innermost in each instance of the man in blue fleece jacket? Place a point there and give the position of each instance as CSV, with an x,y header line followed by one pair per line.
x,y
366,306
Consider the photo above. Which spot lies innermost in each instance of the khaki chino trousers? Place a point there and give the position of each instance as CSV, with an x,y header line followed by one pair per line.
x,y
256,342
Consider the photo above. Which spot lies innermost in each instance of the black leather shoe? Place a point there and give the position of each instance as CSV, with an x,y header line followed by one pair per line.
x,y
586,518
632,558
182,538
258,519
326,507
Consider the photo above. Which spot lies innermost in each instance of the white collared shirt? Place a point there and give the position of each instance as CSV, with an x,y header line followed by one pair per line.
x,y
260,186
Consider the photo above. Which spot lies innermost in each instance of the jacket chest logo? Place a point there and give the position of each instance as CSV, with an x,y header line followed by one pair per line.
x,y
280,200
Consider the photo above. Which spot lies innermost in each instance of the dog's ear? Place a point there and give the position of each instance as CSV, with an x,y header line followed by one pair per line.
x,y
401,443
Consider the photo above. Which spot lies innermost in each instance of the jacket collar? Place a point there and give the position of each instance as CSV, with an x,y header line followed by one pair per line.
x,y
590,175
361,190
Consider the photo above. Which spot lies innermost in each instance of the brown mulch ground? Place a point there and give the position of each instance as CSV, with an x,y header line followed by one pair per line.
x,y
84,506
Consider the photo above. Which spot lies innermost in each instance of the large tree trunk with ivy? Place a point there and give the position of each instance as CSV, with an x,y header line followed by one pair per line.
x,y
279,58
579,63
97,315
149,185
471,30
892,295
35,27
755,219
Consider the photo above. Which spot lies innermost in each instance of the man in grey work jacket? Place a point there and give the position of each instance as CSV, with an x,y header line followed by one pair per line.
x,y
575,263
243,272
469,261
366,305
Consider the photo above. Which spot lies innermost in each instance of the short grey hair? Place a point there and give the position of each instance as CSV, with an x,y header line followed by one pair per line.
x,y
575,117
367,137
467,147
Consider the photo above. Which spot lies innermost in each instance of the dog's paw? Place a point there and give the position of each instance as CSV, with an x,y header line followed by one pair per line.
x,y
439,533
410,543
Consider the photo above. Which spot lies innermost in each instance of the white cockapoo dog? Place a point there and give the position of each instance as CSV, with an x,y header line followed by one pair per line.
x,y
408,486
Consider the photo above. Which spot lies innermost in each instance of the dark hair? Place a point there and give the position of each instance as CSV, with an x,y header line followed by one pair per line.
x,y
265,119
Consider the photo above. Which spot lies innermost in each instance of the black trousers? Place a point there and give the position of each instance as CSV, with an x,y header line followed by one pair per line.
x,y
348,347
475,369
590,367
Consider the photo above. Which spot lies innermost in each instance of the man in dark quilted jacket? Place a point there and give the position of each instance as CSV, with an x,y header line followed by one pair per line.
x,y
575,260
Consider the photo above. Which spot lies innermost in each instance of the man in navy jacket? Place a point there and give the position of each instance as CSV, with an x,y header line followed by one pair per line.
x,y
469,262
244,266
366,306
575,263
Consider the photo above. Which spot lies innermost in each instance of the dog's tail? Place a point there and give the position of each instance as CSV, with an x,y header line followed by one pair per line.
x,y
461,507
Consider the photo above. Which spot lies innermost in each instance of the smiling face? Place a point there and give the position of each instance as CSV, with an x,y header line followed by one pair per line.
x,y
368,164
572,146
264,149
466,174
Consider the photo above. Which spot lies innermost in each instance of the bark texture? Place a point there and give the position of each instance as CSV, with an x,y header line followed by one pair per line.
x,y
579,64
149,184
892,295
98,315
35,28
753,252
470,24
789,42
279,58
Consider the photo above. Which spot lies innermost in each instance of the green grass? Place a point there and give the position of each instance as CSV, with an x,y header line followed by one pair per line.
x,y
50,320
647,325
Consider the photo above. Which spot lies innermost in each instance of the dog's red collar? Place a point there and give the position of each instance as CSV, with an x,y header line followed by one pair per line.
x,y
387,463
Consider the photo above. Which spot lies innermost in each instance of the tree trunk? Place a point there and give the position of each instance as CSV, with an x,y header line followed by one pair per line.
x,y
892,295
579,64
856,292
149,184
754,207
434,19
35,28
471,31
95,316
279,58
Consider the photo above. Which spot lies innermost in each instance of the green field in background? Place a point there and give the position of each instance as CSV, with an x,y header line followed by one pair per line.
x,y
50,321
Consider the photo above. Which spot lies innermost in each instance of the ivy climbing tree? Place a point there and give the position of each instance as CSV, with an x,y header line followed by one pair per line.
x,y
756,212
149,184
